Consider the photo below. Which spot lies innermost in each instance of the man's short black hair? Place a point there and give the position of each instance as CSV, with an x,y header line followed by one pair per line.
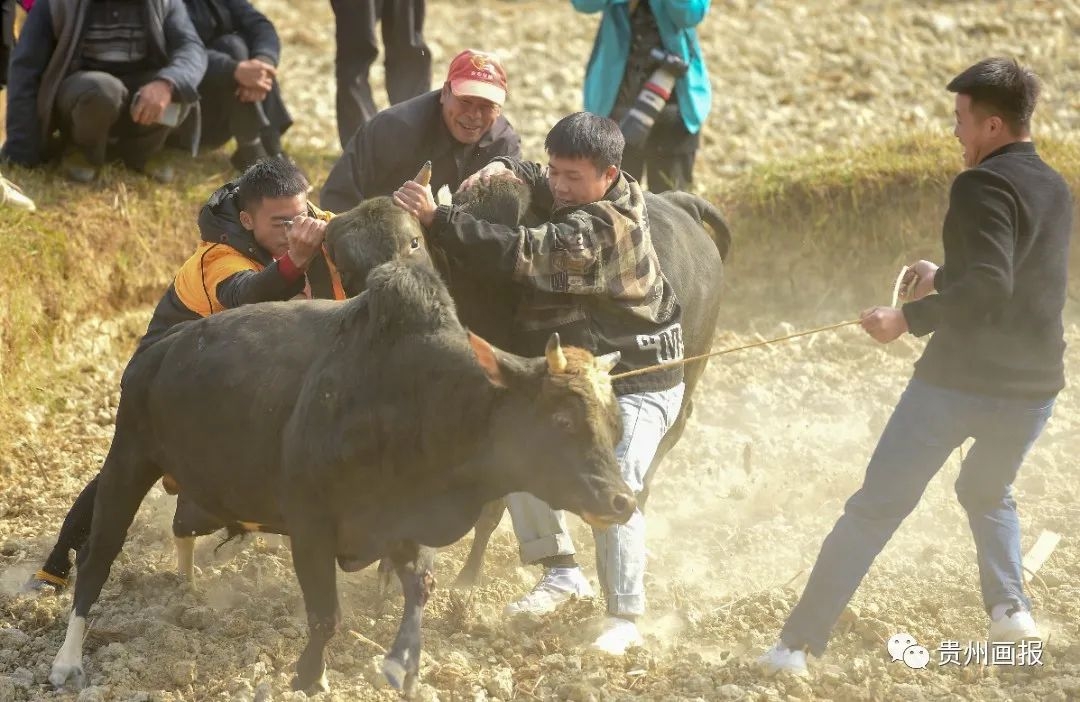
x,y
585,135
269,178
1002,87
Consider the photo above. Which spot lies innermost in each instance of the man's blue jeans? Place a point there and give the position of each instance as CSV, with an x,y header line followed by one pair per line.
x,y
928,423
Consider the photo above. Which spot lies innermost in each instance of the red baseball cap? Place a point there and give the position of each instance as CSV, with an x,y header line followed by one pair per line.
x,y
478,74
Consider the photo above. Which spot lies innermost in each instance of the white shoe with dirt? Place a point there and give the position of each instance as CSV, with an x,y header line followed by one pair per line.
x,y
781,659
556,587
617,635
1014,627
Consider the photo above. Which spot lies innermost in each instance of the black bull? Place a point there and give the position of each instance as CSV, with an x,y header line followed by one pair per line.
x,y
691,239
361,429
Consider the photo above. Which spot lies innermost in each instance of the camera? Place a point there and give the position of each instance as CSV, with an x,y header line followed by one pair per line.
x,y
656,92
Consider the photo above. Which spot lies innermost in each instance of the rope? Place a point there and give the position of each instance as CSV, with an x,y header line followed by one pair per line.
x,y
765,342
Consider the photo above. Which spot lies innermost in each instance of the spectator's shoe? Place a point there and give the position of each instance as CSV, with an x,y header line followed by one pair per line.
x,y
77,168
11,195
1017,625
246,155
781,659
159,169
157,166
556,587
46,583
618,634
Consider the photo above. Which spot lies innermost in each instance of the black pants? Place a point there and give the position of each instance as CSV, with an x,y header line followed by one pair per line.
x,y
408,59
666,158
94,113
7,37
74,532
225,117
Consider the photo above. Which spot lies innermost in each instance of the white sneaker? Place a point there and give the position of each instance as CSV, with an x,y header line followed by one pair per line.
x,y
781,659
556,587
11,194
1015,627
618,635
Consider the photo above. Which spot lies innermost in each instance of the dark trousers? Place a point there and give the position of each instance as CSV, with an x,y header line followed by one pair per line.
x,y
666,158
928,423
7,37
408,59
94,113
225,117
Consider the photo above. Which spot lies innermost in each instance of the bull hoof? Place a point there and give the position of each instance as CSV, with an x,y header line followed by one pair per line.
x,y
43,583
63,673
395,673
321,684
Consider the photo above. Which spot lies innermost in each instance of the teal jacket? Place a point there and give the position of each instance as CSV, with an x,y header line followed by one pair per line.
x,y
676,20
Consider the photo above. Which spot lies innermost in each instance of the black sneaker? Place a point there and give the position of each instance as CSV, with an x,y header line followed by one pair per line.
x,y
77,167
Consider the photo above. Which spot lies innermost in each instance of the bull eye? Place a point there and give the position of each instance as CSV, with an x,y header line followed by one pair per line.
x,y
415,243
564,423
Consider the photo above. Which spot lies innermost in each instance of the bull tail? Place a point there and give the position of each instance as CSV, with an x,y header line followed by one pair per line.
x,y
705,213
232,532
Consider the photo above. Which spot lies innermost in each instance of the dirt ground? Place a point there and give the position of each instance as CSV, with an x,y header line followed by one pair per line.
x,y
779,440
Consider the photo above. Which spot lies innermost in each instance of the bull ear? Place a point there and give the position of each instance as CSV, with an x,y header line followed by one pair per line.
x,y
485,356
608,361
556,359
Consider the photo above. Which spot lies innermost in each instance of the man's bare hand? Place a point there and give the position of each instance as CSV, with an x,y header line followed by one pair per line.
x,y
305,238
495,169
885,324
919,281
254,74
152,100
417,200
251,94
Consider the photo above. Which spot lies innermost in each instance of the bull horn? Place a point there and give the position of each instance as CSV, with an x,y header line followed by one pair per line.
x,y
424,176
608,361
556,359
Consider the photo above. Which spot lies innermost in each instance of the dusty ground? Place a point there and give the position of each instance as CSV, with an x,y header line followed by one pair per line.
x,y
780,439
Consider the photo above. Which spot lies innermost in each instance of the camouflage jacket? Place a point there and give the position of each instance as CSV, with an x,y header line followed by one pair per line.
x,y
591,273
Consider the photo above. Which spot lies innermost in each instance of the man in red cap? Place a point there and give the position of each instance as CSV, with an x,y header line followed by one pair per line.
x,y
459,128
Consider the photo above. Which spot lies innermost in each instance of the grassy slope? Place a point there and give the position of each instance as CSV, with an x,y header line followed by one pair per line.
x,y
95,250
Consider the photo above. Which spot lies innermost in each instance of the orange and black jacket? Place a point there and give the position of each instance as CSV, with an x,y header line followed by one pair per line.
x,y
230,269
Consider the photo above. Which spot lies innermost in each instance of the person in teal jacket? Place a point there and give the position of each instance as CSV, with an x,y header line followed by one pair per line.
x,y
619,66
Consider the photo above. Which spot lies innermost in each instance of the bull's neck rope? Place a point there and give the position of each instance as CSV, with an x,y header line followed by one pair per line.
x,y
722,352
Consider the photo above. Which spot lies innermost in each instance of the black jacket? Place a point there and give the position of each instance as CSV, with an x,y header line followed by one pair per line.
x,y
392,147
46,49
216,18
997,317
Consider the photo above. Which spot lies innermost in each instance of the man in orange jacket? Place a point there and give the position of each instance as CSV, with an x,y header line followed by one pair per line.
x,y
261,242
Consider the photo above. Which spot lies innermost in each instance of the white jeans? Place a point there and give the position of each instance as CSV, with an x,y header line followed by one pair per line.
x,y
620,550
